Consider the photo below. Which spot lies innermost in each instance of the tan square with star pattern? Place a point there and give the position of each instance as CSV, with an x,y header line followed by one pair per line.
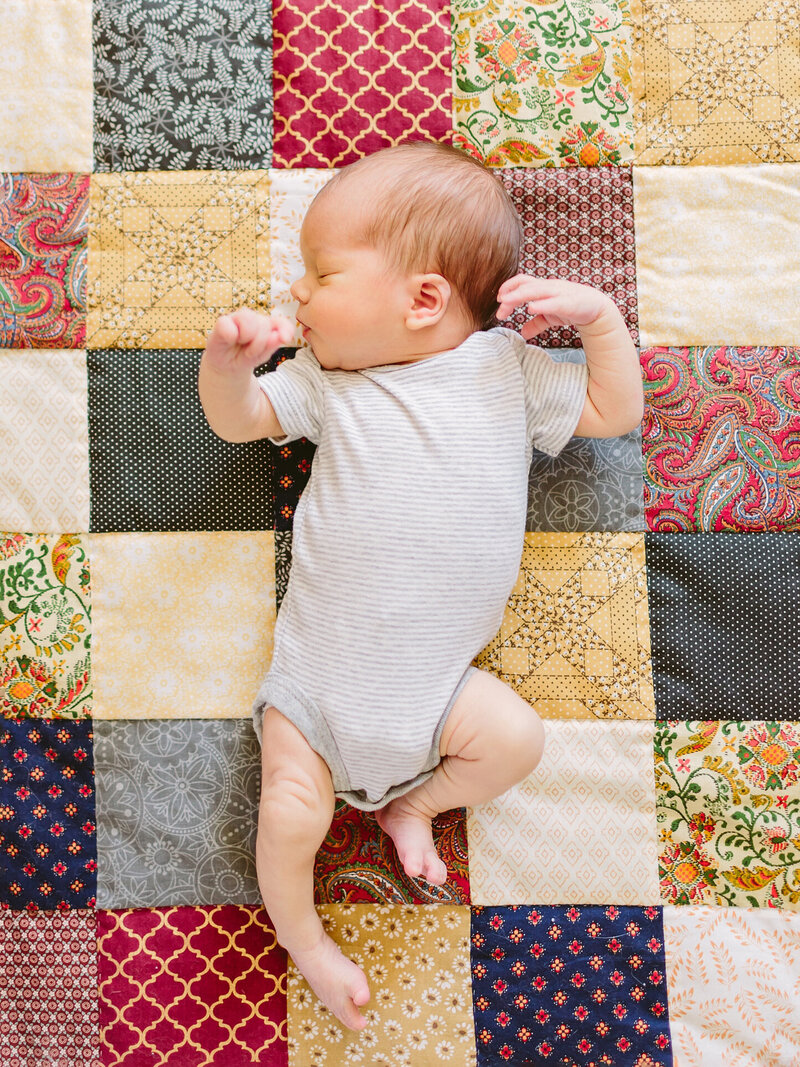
x,y
716,81
575,639
171,251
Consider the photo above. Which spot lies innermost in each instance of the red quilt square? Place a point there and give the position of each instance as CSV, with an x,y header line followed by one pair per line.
x,y
579,227
190,986
720,438
350,79
43,247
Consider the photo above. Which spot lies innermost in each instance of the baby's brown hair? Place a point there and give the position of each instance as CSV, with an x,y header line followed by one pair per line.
x,y
437,209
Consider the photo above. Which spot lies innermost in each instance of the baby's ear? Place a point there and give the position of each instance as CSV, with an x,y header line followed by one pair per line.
x,y
430,297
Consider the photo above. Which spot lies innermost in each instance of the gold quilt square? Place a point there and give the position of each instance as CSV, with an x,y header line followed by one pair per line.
x,y
708,74
575,638
171,251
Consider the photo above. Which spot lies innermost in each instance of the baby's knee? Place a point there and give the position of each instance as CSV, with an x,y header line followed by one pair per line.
x,y
525,740
293,807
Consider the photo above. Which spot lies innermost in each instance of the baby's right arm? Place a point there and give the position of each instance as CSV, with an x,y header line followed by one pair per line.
x,y
236,408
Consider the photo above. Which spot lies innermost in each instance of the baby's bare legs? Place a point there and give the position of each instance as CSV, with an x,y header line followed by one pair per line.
x,y
296,809
492,739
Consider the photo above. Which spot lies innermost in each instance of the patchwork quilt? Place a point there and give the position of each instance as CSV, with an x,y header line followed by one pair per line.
x,y
636,901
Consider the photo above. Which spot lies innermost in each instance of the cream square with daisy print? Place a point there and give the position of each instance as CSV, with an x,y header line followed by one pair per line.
x,y
419,1014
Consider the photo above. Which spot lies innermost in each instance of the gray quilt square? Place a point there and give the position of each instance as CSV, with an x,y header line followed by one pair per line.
x,y
594,484
177,807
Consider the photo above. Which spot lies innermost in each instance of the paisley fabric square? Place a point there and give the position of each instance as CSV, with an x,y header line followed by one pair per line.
x,y
177,810
44,441
186,87
702,236
172,251
46,70
49,961
47,820
290,196
580,829
728,807
570,985
544,85
352,78
578,225
716,82
155,462
723,615
357,862
720,438
191,987
43,242
416,959
593,484
575,641
45,626
183,623
732,979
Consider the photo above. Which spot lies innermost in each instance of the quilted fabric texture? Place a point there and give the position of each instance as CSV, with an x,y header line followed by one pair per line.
x,y
634,902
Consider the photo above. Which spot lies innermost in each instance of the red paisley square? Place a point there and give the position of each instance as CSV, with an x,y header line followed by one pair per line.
x,y
352,78
357,862
191,987
43,249
721,438
579,227
48,989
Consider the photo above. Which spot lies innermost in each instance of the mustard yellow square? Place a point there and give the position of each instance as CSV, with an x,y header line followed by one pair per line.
x,y
684,112
680,35
181,629
762,33
575,640
767,108
171,251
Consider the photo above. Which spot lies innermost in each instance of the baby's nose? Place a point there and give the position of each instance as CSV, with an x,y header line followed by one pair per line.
x,y
299,290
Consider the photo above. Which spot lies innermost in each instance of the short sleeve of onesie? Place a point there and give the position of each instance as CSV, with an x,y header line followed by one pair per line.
x,y
554,394
296,391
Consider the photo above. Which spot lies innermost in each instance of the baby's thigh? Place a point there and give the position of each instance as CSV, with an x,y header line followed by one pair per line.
x,y
489,719
291,767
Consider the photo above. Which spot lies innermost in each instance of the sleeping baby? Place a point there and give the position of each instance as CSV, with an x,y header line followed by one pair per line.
x,y
408,537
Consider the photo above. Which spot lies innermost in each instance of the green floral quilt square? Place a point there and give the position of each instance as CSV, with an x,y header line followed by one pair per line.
x,y
728,808
543,84
45,612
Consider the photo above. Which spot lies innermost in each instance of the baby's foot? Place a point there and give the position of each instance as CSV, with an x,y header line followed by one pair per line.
x,y
411,832
339,983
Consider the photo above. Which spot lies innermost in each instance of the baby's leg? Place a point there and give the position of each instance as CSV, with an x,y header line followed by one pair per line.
x,y
296,809
492,739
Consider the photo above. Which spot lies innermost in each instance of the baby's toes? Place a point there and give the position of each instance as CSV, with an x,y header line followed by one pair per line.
x,y
434,870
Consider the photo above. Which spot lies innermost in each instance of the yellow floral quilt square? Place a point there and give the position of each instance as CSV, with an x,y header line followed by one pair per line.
x,y
46,73
716,81
716,254
728,807
183,623
543,84
171,251
416,959
575,638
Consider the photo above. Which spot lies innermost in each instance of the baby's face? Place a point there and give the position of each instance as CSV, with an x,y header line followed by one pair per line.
x,y
351,307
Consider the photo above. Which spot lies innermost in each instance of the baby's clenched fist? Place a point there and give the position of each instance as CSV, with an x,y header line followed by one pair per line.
x,y
242,340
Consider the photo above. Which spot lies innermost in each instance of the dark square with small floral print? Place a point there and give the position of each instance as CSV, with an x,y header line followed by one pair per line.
x,y
47,814
575,985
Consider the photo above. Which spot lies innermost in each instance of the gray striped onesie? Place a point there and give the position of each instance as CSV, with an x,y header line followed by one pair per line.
x,y
407,543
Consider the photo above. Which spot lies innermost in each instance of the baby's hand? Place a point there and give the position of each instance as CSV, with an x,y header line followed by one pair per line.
x,y
240,341
551,302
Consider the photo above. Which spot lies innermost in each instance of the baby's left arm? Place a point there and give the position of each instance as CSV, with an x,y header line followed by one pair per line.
x,y
614,397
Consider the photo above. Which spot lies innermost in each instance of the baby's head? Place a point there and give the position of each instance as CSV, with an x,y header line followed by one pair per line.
x,y
419,209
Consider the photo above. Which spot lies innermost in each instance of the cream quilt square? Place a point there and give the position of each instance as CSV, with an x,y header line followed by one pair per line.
x,y
575,637
291,193
46,72
734,990
44,441
170,251
716,254
182,623
716,81
580,830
